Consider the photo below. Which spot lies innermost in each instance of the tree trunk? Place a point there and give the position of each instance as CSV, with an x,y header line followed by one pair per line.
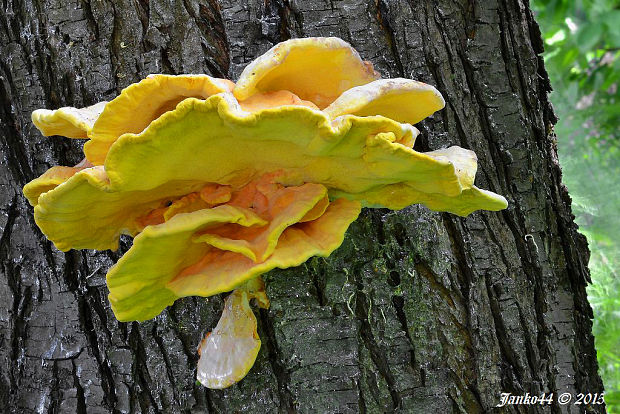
x,y
416,312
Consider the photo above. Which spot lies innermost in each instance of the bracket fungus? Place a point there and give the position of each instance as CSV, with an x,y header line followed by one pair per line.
x,y
219,182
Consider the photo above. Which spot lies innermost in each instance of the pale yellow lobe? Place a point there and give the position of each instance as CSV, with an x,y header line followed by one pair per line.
x,y
315,69
141,103
229,351
470,199
51,179
465,163
47,181
68,121
402,100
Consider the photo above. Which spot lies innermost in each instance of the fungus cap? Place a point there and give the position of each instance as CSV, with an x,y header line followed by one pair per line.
x,y
67,121
317,69
142,170
47,181
141,103
402,100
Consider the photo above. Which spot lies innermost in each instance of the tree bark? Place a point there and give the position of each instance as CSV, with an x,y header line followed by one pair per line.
x,y
416,312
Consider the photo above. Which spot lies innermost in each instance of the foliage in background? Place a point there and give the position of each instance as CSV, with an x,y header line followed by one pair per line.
x,y
582,56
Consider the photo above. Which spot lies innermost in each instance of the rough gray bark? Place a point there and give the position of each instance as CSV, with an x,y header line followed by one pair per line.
x,y
416,312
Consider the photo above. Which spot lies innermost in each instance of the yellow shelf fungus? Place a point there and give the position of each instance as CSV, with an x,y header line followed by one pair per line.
x,y
212,250
228,353
299,66
220,182
69,122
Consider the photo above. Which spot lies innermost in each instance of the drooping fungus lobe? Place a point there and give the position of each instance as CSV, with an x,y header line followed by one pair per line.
x,y
220,182
236,333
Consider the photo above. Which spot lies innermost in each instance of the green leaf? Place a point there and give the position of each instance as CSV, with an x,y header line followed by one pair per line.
x,y
612,21
588,36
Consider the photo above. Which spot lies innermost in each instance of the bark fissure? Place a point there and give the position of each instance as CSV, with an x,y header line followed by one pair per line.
x,y
141,373
12,274
190,351
54,390
362,400
484,122
143,11
162,349
464,278
532,353
276,15
513,375
115,44
90,17
318,280
376,353
382,14
14,148
287,402
399,303
424,270
81,400
209,21
107,379
458,249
